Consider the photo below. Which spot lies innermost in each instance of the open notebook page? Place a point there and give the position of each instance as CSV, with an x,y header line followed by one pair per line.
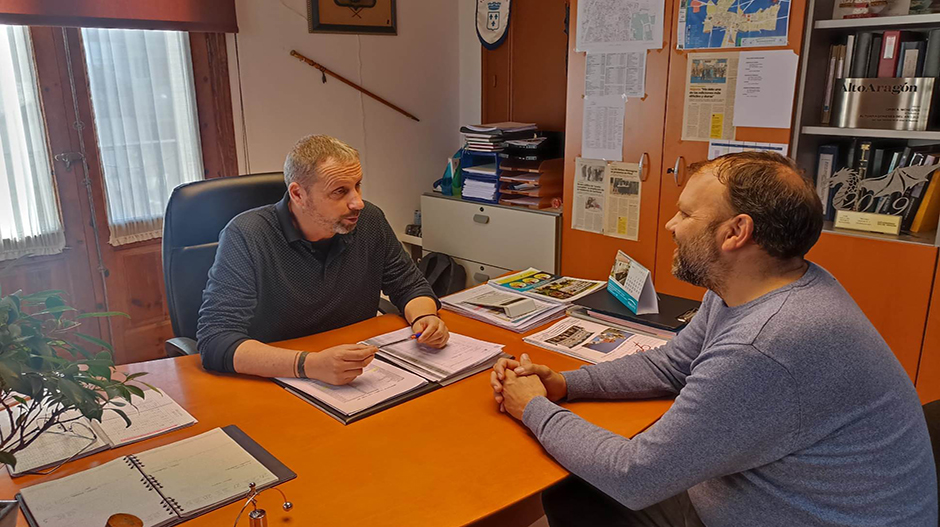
x,y
203,471
75,438
90,497
379,382
153,415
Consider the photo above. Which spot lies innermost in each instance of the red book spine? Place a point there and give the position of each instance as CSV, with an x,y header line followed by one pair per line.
x,y
890,49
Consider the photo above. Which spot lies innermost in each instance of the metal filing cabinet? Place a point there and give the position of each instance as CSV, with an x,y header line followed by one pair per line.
x,y
490,240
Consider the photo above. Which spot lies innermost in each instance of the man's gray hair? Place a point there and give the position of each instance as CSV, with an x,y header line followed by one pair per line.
x,y
308,153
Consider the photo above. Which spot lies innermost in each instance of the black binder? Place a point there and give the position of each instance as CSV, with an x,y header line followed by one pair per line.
x,y
674,312
257,451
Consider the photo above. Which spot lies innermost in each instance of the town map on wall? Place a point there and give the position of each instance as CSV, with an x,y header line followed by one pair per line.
x,y
709,24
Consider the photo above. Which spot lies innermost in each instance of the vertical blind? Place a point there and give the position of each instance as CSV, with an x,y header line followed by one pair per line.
x,y
144,103
29,214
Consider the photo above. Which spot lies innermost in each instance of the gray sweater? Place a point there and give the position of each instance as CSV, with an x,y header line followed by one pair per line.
x,y
791,410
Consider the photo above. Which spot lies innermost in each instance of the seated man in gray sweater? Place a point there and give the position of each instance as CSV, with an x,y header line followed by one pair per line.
x,y
790,409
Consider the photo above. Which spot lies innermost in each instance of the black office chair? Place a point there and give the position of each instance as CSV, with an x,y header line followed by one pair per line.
x,y
195,216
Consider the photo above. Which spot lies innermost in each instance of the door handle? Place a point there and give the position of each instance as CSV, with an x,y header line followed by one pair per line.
x,y
481,218
481,278
643,159
675,170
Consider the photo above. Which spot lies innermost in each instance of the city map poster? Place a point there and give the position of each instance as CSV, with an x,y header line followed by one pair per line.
x,y
619,25
712,24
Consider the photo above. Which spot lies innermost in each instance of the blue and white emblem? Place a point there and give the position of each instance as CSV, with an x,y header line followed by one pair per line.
x,y
492,22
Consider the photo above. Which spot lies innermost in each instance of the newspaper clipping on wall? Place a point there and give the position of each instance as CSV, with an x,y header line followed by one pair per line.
x,y
622,210
708,112
590,180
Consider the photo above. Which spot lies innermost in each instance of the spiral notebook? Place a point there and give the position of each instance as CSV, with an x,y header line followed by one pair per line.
x,y
163,486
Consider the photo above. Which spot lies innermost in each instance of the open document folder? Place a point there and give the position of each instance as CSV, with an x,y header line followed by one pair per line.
x,y
403,369
468,303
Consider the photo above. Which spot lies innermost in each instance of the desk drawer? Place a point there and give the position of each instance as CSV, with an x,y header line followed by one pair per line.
x,y
495,236
478,273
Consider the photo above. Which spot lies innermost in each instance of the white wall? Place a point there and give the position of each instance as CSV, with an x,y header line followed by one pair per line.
x,y
431,68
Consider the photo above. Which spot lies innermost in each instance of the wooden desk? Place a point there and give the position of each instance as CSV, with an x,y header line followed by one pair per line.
x,y
445,458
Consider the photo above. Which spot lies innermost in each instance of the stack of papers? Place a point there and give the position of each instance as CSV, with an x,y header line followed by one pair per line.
x,y
480,189
592,342
467,303
461,357
498,128
492,137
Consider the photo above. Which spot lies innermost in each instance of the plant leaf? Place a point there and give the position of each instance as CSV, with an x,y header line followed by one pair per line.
x,y
123,415
8,459
103,314
135,390
95,340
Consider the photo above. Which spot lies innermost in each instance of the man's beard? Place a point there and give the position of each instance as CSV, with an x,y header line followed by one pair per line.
x,y
697,261
335,226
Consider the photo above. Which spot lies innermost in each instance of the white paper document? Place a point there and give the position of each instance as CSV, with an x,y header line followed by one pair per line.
x,y
592,342
379,381
764,93
590,179
615,25
154,414
602,128
721,147
615,74
622,210
708,112
461,354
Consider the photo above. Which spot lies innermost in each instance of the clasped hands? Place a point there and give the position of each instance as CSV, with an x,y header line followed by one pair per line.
x,y
515,383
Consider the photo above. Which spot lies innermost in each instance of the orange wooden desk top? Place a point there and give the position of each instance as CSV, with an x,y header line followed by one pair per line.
x,y
445,458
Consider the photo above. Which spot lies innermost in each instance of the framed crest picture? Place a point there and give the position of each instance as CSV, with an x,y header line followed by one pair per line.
x,y
352,16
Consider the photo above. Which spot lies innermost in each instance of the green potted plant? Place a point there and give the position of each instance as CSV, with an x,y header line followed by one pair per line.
x,y
49,367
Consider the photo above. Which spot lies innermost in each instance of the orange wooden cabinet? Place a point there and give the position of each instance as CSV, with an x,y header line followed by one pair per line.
x,y
679,154
524,78
590,255
928,374
890,281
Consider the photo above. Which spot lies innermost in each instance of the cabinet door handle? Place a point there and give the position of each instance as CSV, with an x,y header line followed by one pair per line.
x,y
643,174
675,170
481,218
481,278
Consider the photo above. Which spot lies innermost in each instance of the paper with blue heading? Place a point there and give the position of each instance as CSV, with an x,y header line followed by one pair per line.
x,y
632,285
711,24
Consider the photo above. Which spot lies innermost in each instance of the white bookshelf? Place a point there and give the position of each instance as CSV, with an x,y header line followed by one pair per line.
x,y
928,135
887,22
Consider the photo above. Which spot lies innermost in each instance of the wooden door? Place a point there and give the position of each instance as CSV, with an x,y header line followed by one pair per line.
x,y
928,374
591,255
524,78
679,154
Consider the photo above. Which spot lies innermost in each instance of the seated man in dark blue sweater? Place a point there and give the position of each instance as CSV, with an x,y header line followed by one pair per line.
x,y
315,261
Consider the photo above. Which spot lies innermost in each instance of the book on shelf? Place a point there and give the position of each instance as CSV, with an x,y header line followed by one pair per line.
x,y
860,57
870,8
162,486
155,414
591,341
402,369
547,286
874,56
911,60
928,213
826,165
932,54
849,53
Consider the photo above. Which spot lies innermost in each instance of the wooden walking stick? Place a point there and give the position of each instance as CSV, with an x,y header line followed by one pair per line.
x,y
348,82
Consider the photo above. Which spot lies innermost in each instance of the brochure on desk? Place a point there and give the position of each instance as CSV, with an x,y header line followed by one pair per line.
x,y
402,370
547,286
